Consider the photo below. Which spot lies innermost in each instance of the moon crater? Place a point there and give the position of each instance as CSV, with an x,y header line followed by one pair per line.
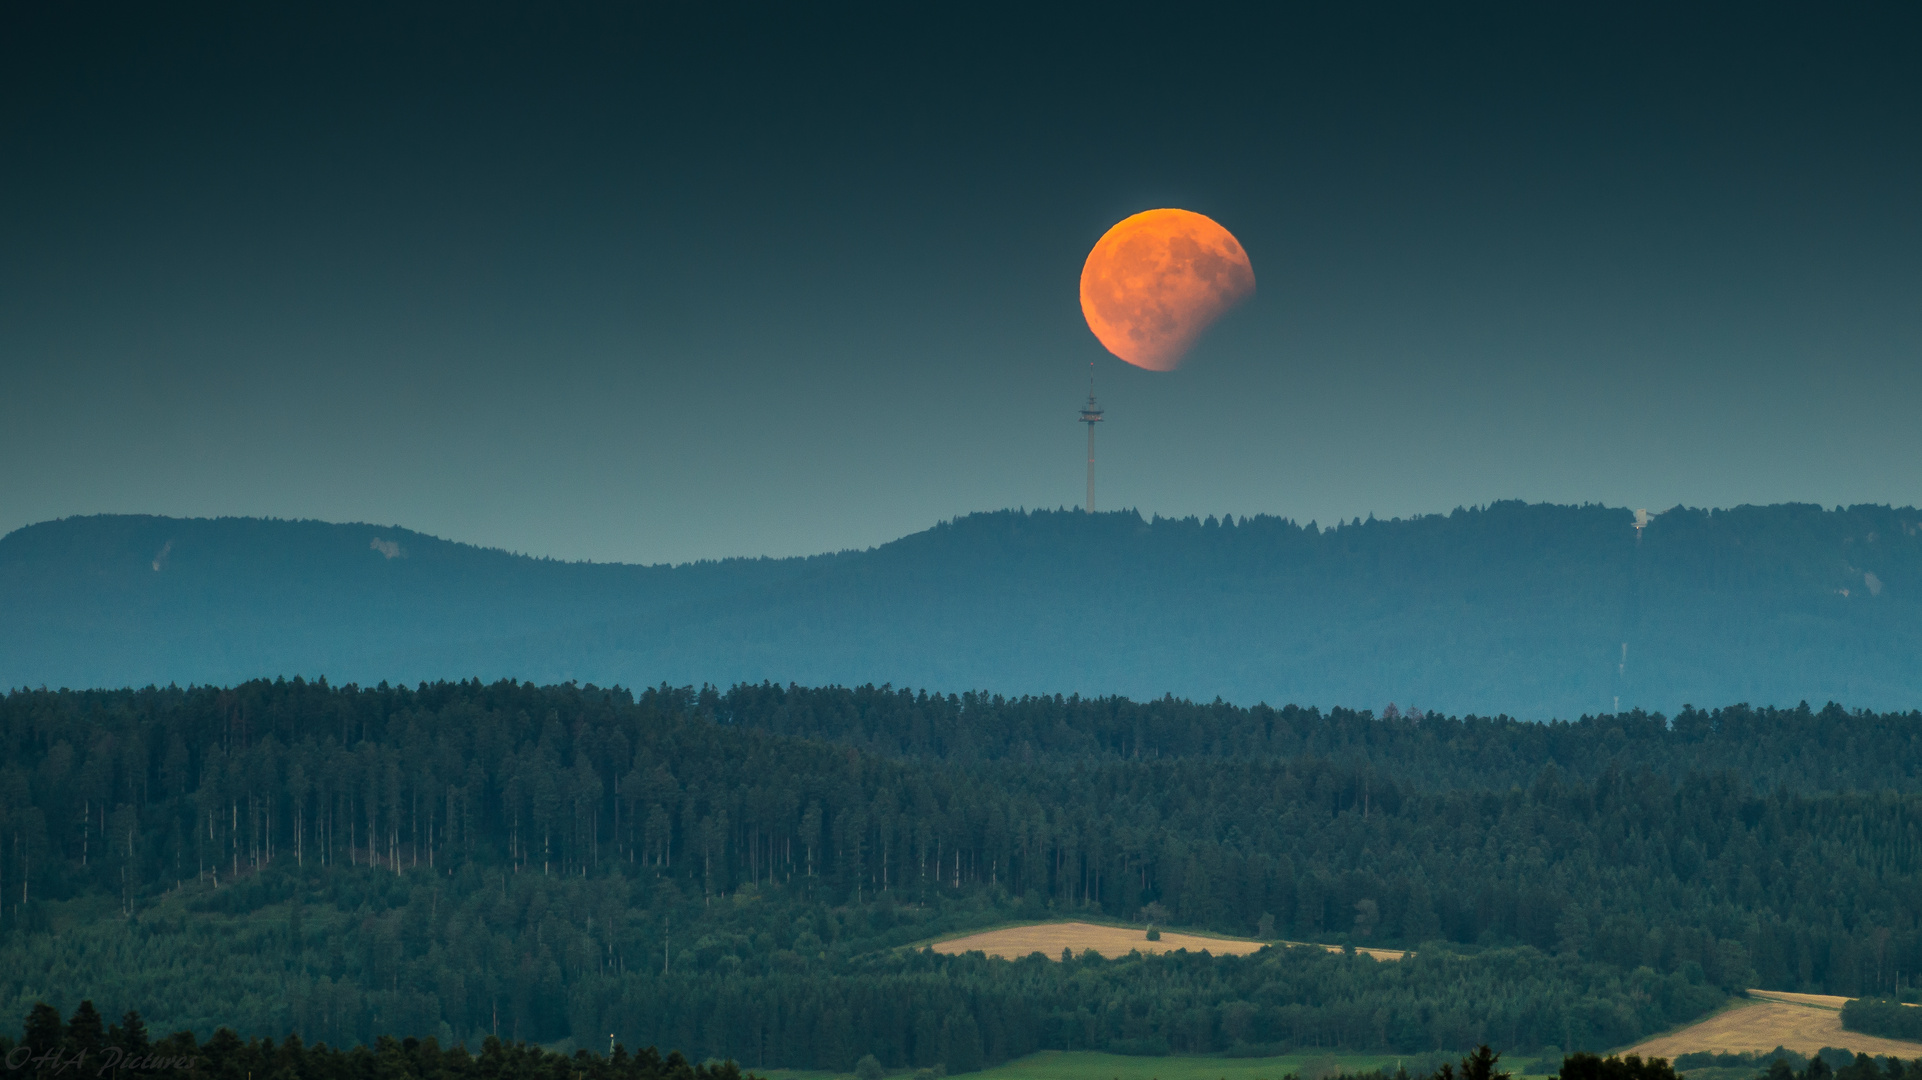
x,y
1156,281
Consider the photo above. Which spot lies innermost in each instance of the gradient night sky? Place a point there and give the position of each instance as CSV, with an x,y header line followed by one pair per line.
x,y
652,287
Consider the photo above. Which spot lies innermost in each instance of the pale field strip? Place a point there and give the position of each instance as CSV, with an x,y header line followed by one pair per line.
x,y
1048,939
1820,1001
1804,1023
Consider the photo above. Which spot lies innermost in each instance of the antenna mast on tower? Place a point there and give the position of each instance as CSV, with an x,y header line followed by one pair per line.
x,y
1091,415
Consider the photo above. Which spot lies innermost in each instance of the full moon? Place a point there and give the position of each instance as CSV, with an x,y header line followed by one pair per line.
x,y
1155,282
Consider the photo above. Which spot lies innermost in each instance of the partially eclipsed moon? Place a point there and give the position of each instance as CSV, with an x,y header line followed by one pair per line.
x,y
1155,282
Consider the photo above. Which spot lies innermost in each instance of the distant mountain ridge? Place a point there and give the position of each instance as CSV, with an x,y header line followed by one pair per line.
x,y
1515,608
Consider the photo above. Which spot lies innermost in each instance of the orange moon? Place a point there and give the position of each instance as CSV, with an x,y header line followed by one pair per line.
x,y
1155,282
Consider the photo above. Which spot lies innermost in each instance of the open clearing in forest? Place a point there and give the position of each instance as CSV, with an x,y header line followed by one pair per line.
x,y
1048,939
1804,1023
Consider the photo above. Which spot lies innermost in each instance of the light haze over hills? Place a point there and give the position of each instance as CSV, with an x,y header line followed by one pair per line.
x,y
1515,608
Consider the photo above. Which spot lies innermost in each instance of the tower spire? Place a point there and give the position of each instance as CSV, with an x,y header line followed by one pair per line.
x,y
1091,415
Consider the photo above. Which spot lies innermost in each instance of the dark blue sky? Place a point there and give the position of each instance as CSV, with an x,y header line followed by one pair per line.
x,y
600,284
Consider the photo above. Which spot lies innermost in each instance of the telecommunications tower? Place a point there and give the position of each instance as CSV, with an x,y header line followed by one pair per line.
x,y
1091,415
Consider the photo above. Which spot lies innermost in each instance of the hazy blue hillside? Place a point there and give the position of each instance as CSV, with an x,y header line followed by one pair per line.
x,y
1515,608
113,600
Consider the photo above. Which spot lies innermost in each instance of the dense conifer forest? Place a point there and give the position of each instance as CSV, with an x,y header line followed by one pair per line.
x,y
749,874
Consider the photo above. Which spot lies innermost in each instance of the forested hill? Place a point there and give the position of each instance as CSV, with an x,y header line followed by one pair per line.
x,y
540,863
1534,611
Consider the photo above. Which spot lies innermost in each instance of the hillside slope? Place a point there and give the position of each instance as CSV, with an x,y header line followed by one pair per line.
x,y
1512,608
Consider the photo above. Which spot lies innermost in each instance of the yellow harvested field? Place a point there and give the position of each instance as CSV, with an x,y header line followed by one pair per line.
x,y
1802,1022
1049,939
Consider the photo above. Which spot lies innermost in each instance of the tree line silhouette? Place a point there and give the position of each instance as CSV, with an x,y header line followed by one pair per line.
x,y
83,1045
124,1051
